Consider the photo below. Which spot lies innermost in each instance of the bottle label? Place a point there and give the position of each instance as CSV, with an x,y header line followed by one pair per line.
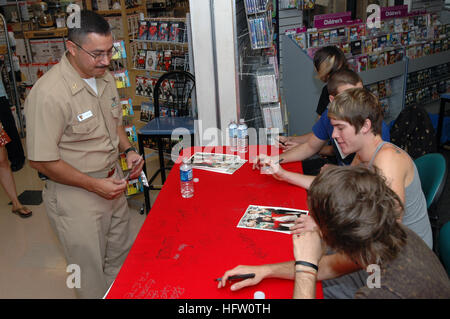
x,y
233,132
242,133
186,176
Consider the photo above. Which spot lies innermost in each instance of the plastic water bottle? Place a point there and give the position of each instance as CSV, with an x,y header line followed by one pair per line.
x,y
242,134
232,131
186,182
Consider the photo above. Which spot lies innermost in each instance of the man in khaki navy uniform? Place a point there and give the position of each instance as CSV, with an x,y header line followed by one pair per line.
x,y
75,134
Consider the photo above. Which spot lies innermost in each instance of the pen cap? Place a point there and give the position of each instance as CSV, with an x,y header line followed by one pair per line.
x,y
259,295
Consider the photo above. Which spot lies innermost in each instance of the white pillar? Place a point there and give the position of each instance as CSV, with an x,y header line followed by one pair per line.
x,y
214,47
224,25
204,67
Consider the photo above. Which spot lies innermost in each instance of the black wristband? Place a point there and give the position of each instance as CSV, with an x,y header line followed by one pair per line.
x,y
307,264
132,148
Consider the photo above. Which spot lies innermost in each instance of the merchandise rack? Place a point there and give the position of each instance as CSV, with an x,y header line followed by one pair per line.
x,y
136,44
302,117
254,62
259,23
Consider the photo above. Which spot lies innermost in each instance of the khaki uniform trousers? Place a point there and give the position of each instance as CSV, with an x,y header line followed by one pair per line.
x,y
94,233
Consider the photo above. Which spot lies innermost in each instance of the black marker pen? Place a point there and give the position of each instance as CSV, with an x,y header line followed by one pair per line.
x,y
243,276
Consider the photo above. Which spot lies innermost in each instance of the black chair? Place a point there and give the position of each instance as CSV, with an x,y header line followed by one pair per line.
x,y
172,102
173,90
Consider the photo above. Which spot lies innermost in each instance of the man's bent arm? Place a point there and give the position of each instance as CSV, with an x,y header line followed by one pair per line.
x,y
303,151
63,173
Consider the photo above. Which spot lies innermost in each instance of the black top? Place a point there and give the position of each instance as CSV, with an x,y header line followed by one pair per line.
x,y
324,100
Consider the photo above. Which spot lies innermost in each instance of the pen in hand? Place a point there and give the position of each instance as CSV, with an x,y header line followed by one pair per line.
x,y
235,277
282,143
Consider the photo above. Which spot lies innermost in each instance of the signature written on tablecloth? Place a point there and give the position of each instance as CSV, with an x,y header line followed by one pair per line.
x,y
144,288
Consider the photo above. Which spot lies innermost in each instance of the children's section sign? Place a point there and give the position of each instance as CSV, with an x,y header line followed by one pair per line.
x,y
394,12
332,20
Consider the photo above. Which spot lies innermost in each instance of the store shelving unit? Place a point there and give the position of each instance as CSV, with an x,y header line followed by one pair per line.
x,y
259,23
258,67
300,83
165,50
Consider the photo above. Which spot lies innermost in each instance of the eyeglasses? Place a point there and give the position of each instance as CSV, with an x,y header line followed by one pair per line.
x,y
99,56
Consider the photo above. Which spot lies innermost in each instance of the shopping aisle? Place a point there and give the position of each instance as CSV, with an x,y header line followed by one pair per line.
x,y
32,264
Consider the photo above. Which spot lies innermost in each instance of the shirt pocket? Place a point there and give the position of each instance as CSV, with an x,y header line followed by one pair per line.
x,y
86,126
115,111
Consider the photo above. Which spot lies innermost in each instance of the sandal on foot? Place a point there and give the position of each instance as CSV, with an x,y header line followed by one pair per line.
x,y
23,212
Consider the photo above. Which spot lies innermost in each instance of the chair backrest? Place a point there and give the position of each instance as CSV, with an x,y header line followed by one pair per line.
x,y
172,94
433,175
444,246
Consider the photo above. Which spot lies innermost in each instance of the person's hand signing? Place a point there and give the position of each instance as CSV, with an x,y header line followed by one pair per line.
x,y
259,272
285,143
260,161
270,165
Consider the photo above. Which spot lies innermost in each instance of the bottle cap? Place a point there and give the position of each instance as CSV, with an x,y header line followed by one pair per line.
x,y
259,295
242,121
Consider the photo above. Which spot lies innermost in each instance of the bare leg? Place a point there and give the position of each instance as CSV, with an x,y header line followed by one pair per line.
x,y
7,179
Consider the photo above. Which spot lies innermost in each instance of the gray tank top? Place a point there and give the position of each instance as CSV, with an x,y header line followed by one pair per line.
x,y
416,213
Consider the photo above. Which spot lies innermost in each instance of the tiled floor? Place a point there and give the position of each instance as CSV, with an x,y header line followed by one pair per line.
x,y
31,261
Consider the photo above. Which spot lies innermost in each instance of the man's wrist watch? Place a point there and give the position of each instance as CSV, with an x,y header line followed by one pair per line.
x,y
132,148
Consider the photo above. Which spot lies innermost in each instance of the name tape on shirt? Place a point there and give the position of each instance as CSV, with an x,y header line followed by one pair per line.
x,y
83,116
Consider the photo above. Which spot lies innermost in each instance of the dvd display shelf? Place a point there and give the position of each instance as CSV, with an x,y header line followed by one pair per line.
x,y
427,95
267,83
301,84
389,53
259,21
158,45
424,86
259,102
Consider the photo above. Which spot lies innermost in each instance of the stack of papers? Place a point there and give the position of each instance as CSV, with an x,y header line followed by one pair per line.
x,y
215,162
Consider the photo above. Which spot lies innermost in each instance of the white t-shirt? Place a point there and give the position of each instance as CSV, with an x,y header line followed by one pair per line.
x,y
92,83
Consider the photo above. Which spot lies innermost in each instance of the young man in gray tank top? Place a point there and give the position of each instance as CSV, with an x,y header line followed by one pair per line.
x,y
356,116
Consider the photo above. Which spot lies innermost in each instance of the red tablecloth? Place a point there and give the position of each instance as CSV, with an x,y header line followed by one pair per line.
x,y
184,244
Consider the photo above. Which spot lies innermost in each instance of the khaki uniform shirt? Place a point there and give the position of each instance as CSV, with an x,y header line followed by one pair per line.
x,y
67,121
